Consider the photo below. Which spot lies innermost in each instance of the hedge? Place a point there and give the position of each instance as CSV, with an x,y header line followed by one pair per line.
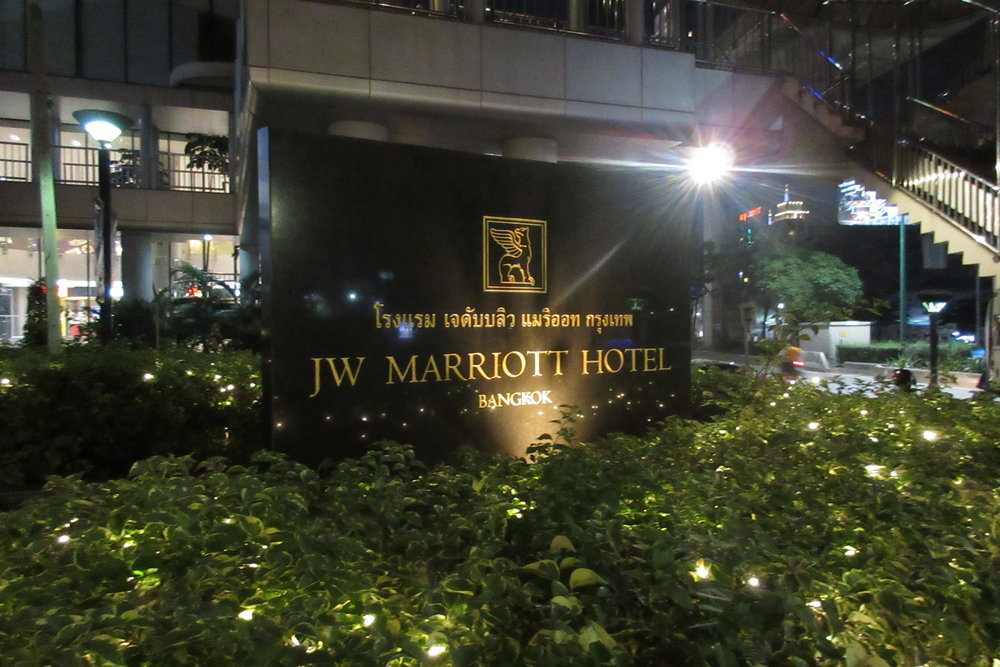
x,y
800,526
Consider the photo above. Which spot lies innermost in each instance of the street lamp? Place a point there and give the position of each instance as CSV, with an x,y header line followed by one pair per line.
x,y
104,127
706,165
934,301
206,251
710,163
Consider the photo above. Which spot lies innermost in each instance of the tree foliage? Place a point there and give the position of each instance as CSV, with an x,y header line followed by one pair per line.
x,y
814,286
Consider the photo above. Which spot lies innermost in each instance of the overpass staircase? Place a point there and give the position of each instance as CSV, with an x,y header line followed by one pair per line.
x,y
949,202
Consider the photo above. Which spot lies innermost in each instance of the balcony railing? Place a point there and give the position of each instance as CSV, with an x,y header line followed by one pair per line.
x,y
76,165
14,162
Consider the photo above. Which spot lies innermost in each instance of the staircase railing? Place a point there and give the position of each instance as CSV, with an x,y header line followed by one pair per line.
x,y
952,191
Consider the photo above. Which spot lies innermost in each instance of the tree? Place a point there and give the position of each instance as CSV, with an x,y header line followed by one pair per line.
x,y
36,323
814,286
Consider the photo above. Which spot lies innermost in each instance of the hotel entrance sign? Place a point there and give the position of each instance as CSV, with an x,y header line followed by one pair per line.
x,y
440,298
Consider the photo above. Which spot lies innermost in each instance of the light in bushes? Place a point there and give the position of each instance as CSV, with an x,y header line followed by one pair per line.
x,y
148,377
701,571
368,620
436,650
753,582
850,551
874,470
813,426
62,539
246,614
930,436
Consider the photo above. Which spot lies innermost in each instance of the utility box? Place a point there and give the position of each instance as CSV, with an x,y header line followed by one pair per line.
x,y
830,335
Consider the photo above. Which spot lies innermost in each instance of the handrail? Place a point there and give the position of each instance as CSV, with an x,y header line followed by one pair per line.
x,y
952,191
77,165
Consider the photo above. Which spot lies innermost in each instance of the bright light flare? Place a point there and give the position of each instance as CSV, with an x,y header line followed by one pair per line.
x,y
102,130
436,650
710,163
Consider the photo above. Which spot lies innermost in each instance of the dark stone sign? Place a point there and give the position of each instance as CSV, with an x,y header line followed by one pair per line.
x,y
442,298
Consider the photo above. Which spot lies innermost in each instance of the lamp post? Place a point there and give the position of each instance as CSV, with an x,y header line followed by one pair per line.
x,y
104,127
934,301
206,251
707,165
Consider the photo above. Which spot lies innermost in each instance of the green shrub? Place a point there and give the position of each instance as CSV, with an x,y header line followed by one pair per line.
x,y
798,527
96,410
953,357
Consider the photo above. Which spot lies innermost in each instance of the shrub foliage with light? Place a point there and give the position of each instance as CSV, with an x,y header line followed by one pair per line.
x,y
98,409
794,527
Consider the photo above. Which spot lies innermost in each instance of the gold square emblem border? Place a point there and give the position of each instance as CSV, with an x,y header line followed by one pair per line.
x,y
542,282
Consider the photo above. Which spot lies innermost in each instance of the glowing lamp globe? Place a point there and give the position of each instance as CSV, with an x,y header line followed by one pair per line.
x,y
710,163
102,126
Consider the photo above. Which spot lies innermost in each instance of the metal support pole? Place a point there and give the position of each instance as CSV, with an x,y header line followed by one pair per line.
x,y
107,332
933,381
895,99
902,283
996,96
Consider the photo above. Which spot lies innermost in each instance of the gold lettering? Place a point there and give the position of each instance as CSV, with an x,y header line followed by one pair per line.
x,y
559,357
630,351
536,354
339,374
482,401
662,367
431,367
451,363
648,361
507,371
596,362
607,360
401,374
476,361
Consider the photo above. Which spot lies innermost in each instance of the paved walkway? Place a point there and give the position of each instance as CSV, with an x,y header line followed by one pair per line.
x,y
960,389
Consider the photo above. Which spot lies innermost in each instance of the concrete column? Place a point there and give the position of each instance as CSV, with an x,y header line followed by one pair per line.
x,y
359,129
55,134
249,255
137,266
149,150
635,22
578,15
475,11
532,148
993,339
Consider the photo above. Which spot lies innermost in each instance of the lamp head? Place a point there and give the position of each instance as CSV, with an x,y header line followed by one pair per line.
x,y
710,163
934,301
102,126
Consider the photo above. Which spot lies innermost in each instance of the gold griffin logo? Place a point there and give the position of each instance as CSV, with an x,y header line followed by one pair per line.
x,y
514,255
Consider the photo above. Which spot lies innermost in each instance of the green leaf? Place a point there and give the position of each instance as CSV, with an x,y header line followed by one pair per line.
x,y
583,576
547,569
561,543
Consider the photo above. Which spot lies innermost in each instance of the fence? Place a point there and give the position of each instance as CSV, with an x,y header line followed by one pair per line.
x,y
77,165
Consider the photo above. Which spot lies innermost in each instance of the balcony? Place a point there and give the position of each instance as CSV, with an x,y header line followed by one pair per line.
x,y
77,165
